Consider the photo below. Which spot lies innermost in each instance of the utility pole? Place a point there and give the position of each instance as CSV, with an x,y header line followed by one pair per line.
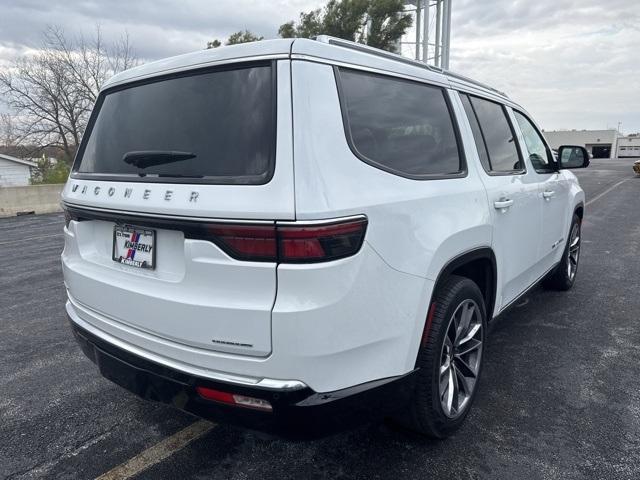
x,y
431,17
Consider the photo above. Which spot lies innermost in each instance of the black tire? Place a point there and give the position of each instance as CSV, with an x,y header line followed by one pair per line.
x,y
563,277
427,414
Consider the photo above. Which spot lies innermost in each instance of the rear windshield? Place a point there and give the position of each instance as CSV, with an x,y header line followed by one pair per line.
x,y
213,127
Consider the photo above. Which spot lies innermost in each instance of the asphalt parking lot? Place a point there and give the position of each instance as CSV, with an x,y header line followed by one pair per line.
x,y
559,397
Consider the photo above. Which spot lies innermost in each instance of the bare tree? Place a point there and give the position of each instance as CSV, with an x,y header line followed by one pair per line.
x,y
7,130
52,91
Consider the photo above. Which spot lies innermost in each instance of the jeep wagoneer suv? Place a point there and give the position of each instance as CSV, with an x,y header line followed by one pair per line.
x,y
293,234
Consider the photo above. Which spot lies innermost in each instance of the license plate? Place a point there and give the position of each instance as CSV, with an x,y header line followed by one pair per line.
x,y
134,246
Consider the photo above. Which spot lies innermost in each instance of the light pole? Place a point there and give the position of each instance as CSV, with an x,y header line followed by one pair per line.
x,y
432,17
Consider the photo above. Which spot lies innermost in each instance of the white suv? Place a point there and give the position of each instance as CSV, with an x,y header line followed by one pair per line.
x,y
298,234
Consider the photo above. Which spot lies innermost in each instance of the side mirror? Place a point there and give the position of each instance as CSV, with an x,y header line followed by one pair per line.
x,y
572,156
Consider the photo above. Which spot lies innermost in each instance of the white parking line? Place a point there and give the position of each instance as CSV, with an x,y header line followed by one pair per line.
x,y
605,192
159,451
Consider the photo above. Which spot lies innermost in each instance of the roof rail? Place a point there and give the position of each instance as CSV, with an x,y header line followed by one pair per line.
x,y
457,76
374,51
399,58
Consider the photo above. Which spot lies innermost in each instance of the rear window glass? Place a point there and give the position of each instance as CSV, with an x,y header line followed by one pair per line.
x,y
217,126
498,136
400,126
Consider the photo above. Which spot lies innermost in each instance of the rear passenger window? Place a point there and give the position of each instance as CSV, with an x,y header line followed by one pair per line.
x,y
477,133
400,126
497,136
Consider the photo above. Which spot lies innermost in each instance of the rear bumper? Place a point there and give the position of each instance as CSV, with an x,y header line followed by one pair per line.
x,y
299,413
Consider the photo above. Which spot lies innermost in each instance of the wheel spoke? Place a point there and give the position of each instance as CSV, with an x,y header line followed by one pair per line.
x,y
467,383
464,368
465,318
470,334
448,344
444,381
575,242
444,367
454,390
450,391
469,347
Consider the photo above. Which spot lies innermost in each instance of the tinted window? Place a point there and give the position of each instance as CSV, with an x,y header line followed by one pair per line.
x,y
539,155
477,133
223,120
401,126
498,136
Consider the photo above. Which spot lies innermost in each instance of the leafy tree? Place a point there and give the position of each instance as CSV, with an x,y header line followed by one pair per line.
x,y
48,171
387,25
238,37
379,23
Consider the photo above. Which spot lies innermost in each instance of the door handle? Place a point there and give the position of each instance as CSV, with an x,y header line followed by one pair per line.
x,y
503,204
547,194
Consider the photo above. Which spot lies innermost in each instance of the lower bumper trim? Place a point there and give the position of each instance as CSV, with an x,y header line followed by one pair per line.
x,y
301,413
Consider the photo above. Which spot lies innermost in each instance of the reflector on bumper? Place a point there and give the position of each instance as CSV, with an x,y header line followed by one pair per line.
x,y
234,399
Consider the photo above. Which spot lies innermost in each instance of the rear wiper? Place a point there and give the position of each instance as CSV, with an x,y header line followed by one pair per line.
x,y
149,158
177,175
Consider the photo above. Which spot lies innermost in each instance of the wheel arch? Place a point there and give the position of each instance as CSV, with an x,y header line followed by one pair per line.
x,y
478,265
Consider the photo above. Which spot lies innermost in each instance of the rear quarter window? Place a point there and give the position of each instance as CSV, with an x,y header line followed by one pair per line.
x,y
220,122
400,126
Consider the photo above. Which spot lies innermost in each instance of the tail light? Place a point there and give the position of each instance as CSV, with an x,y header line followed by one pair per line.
x,y
246,242
302,244
290,243
279,242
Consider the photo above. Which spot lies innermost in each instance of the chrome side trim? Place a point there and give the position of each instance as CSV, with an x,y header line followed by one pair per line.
x,y
163,216
234,379
323,221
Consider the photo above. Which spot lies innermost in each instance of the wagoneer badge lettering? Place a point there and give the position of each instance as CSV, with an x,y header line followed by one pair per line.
x,y
168,195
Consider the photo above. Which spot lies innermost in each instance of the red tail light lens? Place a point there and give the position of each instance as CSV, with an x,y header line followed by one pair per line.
x,y
290,243
246,242
302,244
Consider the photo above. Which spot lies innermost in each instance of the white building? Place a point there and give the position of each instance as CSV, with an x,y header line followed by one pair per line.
x,y
601,143
14,172
629,146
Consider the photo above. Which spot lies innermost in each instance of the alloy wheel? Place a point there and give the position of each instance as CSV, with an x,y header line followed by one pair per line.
x,y
460,358
574,251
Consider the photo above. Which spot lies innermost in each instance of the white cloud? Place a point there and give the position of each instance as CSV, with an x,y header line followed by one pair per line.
x,y
571,63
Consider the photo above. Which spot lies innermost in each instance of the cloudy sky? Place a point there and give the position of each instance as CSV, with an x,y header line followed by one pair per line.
x,y
571,63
